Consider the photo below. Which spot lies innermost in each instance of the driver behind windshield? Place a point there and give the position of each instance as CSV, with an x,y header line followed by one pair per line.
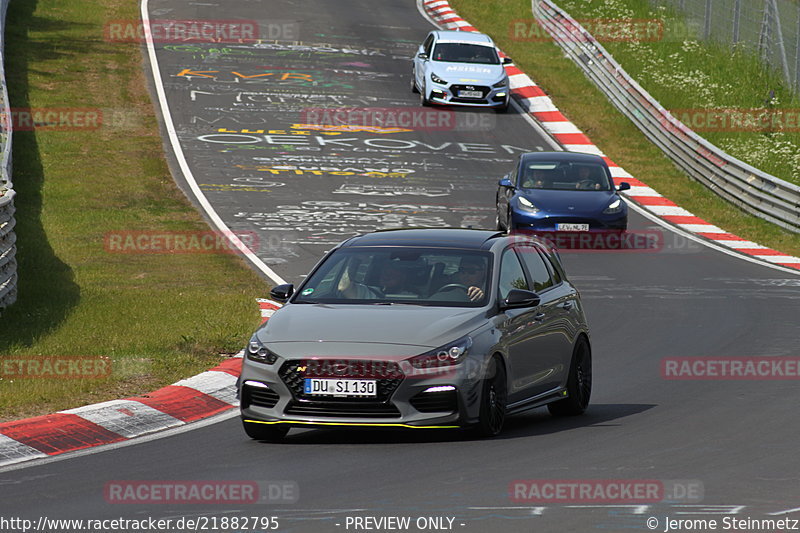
x,y
587,178
472,275
348,288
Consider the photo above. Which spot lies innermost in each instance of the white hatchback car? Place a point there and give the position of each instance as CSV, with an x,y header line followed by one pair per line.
x,y
460,68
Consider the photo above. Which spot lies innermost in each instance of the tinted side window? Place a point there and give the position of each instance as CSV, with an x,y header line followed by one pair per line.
x,y
428,44
553,270
513,175
540,275
511,274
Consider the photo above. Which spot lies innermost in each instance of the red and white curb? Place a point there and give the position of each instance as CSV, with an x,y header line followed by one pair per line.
x,y
189,400
536,103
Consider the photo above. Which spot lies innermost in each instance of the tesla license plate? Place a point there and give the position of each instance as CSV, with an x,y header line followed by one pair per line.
x,y
572,227
341,387
470,94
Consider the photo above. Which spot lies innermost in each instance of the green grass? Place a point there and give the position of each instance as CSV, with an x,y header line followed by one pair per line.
x,y
158,317
684,73
589,109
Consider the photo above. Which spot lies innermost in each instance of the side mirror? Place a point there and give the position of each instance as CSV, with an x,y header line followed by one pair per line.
x,y
281,293
505,182
507,60
520,298
624,186
422,55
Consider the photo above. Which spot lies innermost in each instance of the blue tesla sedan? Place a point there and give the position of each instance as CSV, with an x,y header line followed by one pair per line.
x,y
560,191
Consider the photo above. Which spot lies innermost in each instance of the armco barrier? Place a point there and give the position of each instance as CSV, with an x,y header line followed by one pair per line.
x,y
8,249
754,191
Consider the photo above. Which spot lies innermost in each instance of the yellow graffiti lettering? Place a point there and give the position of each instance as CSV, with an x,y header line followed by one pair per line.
x,y
349,128
253,75
190,72
296,76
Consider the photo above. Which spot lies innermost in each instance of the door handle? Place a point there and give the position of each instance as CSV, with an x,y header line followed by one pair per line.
x,y
538,317
567,306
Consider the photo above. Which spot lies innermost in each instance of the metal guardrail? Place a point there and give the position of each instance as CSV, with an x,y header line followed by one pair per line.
x,y
754,191
8,239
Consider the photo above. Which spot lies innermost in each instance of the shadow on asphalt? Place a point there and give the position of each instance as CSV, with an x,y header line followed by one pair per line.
x,y
535,423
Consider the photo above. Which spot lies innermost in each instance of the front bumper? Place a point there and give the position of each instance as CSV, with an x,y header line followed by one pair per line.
x,y
449,95
545,221
272,394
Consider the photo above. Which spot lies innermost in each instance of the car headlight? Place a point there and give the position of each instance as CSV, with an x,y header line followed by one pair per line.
x,y
613,207
259,353
527,205
437,79
447,355
501,83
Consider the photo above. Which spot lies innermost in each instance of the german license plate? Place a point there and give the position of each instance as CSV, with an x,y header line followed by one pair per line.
x,y
572,227
341,387
470,94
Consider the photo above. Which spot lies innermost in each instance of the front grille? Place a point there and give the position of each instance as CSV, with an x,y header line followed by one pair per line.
x,y
468,101
434,402
385,387
259,396
344,409
482,88
571,220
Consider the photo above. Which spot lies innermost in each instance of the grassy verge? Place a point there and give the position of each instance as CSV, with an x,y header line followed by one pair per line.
x,y
589,109
684,73
157,317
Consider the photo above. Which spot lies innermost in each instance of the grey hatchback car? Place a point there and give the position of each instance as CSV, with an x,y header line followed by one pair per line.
x,y
420,328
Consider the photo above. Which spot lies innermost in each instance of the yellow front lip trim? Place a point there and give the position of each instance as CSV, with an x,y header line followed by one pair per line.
x,y
349,424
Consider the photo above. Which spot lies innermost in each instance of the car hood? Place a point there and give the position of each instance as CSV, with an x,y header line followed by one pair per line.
x,y
476,73
409,325
561,201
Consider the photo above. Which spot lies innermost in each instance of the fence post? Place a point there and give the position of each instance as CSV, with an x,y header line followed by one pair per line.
x,y
776,18
737,18
707,21
764,36
797,53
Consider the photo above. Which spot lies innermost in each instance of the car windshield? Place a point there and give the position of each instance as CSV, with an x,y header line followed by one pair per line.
x,y
465,53
399,275
559,175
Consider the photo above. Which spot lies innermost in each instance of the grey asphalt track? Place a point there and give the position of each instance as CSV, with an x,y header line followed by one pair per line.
x,y
735,439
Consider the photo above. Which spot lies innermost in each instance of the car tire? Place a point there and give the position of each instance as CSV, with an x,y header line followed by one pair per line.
x,y
499,226
494,397
423,100
579,383
414,82
265,432
510,226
